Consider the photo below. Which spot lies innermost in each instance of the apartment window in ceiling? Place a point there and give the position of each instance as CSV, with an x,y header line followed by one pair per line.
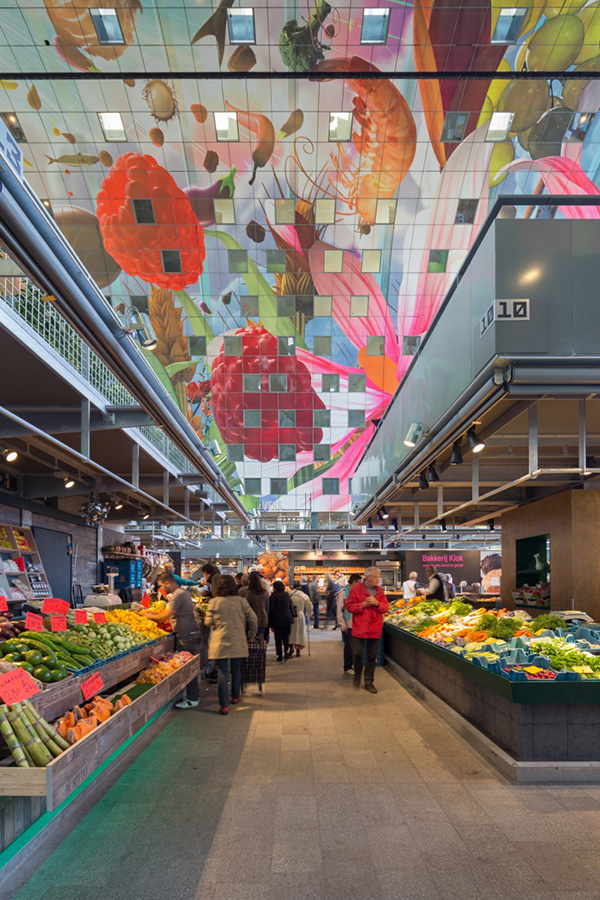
x,y
252,486
322,453
357,383
321,418
276,261
359,306
323,306
375,26
322,345
235,453
107,25
285,212
466,212
286,305
251,384
375,345
241,26
143,211
455,125
579,126
287,452
287,418
224,212
171,260
324,211
252,418
197,345
286,346
340,126
278,384
238,261
499,127
331,486
333,260
410,344
112,126
14,126
232,345
356,418
226,126
278,486
509,24
249,306
438,260
371,260
330,384
385,212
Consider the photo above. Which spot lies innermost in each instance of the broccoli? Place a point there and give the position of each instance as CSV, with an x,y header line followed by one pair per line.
x,y
298,44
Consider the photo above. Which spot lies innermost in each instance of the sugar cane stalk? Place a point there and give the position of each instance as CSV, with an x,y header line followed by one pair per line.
x,y
44,729
12,742
40,755
38,728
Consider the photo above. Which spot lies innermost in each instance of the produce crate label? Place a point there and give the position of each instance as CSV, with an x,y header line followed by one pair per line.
x,y
146,601
91,686
81,617
16,686
55,605
34,622
58,623
100,618
3,604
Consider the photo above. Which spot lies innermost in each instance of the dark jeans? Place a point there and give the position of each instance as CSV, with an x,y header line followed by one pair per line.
x,y
347,639
191,643
264,631
236,680
316,609
282,636
331,607
357,651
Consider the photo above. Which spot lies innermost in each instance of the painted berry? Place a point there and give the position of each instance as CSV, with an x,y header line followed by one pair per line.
x,y
285,405
158,239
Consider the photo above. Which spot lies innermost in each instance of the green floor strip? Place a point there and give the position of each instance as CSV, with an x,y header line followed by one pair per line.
x,y
34,829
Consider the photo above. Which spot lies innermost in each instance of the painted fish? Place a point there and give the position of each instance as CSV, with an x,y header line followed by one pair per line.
x,y
74,159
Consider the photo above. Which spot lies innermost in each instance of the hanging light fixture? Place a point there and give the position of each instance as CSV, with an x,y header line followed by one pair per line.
x,y
384,513
395,524
456,458
475,442
432,474
9,455
414,434
119,504
443,525
423,483
69,482
491,525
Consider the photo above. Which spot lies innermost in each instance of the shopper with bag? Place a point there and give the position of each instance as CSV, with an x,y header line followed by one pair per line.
x,y
367,603
281,618
258,598
344,620
304,609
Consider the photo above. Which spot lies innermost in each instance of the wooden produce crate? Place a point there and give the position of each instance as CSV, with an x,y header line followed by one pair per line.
x,y
71,768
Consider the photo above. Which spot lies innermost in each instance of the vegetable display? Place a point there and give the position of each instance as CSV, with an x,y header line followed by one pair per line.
x,y
30,739
144,627
81,720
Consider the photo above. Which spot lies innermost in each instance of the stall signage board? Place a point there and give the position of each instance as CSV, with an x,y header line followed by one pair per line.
x,y
58,623
91,686
34,622
146,601
10,151
100,618
55,605
3,604
16,686
81,617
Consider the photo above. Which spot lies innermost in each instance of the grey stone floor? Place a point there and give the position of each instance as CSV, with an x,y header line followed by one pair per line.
x,y
321,792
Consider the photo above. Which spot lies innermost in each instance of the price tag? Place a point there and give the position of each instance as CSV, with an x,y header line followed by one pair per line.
x,y
55,605
100,618
146,601
3,604
16,686
91,686
81,617
33,622
58,623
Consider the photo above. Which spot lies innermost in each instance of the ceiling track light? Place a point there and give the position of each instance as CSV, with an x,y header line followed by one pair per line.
x,y
9,455
456,459
414,434
423,483
146,516
475,442
395,524
370,523
69,482
491,525
432,474
443,525
384,513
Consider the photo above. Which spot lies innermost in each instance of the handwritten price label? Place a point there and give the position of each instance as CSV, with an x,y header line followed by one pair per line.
x,y
16,686
55,605
100,618
3,604
146,601
81,617
58,623
91,686
33,622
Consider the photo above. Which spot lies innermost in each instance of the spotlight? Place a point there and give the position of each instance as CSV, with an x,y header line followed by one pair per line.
x,y
384,513
139,323
9,455
395,524
475,442
414,434
363,529
370,523
146,516
590,463
456,458
69,482
380,516
491,525
443,524
423,483
432,475
118,505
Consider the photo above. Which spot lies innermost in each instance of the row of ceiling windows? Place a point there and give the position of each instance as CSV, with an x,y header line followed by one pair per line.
x,y
278,486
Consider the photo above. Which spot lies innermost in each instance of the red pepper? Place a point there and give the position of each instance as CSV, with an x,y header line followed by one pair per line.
x,y
262,127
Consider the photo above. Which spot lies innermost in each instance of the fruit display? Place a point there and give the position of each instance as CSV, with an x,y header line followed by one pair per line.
x,y
140,624
81,720
30,739
5,541
162,668
106,640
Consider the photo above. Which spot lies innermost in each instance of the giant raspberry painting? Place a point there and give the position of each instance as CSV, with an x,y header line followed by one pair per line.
x,y
148,224
285,404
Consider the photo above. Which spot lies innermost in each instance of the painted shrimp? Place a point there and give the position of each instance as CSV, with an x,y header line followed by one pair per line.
x,y
386,142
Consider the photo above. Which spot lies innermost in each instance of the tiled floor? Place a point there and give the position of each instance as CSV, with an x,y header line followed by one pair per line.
x,y
321,792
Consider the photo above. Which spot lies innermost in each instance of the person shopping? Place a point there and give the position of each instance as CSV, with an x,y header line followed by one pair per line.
x,y
367,603
258,598
280,619
332,591
410,586
232,624
344,620
301,621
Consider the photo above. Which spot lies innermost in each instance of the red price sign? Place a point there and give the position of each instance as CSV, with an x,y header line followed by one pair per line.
x,y
55,605
81,617
58,623
16,686
33,622
3,604
91,686
146,601
100,618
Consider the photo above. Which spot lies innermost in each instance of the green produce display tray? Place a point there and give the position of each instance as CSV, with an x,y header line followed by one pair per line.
x,y
517,692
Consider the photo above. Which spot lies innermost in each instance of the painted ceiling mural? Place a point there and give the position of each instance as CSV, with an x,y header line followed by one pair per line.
x,y
290,241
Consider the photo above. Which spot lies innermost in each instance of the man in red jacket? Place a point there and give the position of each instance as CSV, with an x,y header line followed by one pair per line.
x,y
367,603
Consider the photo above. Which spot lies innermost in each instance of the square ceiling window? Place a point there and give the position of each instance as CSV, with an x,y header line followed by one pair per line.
x,y
385,212
322,452
112,126
252,486
140,302
232,345
252,418
455,125
197,344
226,126
276,261
499,126
410,344
330,384
331,487
224,212
322,345
579,126
375,345
357,383
238,262
324,211
323,306
171,260
143,212
371,260
278,384
333,260
287,452
249,306
322,418
14,126
241,26
107,25
287,418
375,26
356,418
438,259
278,486
235,453
251,383
359,306
286,346
285,212
340,126
466,212
286,306
509,24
